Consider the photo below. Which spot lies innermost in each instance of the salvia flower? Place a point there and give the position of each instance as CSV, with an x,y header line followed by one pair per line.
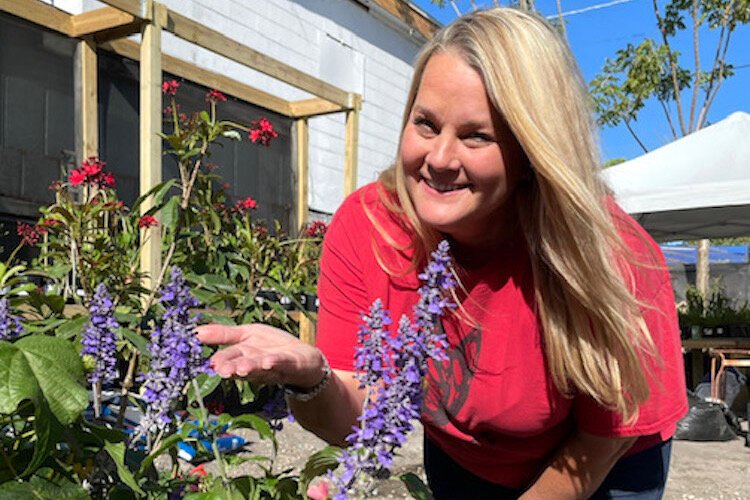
x,y
99,338
10,326
393,366
176,356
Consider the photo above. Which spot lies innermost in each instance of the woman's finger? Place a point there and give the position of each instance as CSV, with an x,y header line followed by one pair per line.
x,y
215,334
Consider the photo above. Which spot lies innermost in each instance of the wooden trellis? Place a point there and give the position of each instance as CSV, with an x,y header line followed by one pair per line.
x,y
107,28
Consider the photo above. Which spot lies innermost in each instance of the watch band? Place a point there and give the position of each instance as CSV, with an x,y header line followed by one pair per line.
x,y
301,394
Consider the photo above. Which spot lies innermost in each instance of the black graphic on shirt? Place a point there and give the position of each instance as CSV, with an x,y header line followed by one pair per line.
x,y
449,382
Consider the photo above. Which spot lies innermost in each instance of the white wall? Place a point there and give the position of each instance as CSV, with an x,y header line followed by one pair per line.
x,y
338,41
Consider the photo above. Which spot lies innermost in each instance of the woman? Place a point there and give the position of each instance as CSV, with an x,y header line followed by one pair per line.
x,y
564,376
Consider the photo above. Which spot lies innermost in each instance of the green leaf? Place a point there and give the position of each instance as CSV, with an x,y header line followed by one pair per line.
x,y
42,369
44,428
166,444
218,318
138,341
72,327
117,452
158,192
171,212
206,385
250,421
416,486
39,488
213,281
318,464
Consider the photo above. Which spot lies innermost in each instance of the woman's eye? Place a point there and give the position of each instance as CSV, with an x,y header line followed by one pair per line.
x,y
479,137
424,123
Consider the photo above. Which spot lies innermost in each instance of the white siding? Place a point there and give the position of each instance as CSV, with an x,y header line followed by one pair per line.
x,y
295,32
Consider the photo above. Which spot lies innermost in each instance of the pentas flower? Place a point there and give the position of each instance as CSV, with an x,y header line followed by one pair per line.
x,y
262,131
147,221
170,87
393,366
245,205
29,234
10,326
99,339
215,96
92,171
176,356
316,229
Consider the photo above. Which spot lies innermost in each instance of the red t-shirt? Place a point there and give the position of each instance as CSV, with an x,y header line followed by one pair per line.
x,y
492,406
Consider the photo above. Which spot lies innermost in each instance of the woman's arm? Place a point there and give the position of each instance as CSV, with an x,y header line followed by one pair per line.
x,y
579,467
267,355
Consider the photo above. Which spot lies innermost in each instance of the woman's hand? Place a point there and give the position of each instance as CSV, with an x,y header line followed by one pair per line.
x,y
263,354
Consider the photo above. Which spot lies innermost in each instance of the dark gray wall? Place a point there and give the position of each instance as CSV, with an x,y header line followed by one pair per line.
x,y
265,173
734,277
37,130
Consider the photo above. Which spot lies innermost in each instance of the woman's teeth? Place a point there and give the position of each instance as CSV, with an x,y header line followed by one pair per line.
x,y
444,188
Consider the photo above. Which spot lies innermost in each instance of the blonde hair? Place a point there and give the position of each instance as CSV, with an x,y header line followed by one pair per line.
x,y
593,327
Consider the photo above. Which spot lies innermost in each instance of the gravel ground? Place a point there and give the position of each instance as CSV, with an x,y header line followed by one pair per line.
x,y
700,470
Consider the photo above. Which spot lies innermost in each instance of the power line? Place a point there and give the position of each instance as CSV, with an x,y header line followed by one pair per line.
x,y
590,8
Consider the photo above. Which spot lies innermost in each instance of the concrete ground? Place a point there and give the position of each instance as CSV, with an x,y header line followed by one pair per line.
x,y
699,470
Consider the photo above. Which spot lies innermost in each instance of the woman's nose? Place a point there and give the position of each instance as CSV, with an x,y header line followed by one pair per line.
x,y
443,153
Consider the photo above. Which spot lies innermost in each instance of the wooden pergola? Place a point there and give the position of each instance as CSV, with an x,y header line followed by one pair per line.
x,y
108,28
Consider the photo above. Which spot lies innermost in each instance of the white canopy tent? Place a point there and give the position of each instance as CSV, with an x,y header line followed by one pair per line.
x,y
695,187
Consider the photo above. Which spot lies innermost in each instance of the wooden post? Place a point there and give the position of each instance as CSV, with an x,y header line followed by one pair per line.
x,y
701,269
86,117
302,130
350,149
150,142
306,329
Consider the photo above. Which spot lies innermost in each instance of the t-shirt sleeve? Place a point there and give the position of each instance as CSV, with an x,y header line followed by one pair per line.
x,y
667,401
341,286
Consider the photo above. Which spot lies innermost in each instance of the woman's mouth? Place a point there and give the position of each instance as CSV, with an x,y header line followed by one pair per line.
x,y
444,188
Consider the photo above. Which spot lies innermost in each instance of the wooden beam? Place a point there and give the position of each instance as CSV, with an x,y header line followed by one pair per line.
x,y
409,15
38,13
150,143
94,21
351,145
184,69
87,116
313,107
140,9
210,39
302,130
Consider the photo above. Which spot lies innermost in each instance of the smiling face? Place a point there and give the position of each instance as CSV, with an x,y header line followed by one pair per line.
x,y
461,162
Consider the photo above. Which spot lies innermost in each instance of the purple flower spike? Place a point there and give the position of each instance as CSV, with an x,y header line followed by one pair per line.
x,y
10,326
99,339
176,356
393,366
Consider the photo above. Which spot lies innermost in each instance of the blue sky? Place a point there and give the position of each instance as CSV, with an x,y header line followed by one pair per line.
x,y
597,34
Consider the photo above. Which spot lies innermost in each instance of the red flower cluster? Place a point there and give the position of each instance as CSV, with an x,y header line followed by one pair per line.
x,y
215,96
147,221
244,205
92,171
30,234
170,87
262,131
316,229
